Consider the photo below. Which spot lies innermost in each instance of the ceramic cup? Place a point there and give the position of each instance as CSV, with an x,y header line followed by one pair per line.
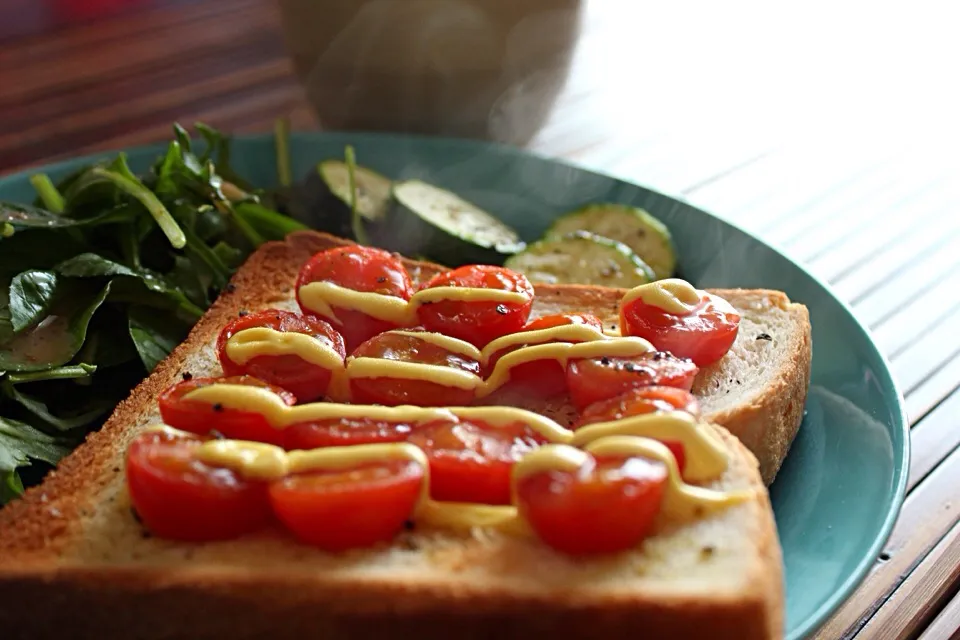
x,y
487,69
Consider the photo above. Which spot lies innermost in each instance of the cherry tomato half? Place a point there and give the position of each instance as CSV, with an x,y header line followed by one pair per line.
x,y
606,506
477,322
590,380
640,401
180,498
203,418
357,507
703,336
339,432
541,378
392,391
471,461
362,269
303,379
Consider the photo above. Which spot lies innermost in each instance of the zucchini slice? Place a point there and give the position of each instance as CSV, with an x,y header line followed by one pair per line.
x,y
645,235
582,258
326,198
441,225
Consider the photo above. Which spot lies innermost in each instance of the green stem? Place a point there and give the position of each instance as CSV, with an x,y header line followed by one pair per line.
x,y
48,192
152,204
251,234
356,224
281,138
60,373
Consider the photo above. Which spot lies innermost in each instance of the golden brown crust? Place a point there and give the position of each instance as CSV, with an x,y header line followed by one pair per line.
x,y
115,601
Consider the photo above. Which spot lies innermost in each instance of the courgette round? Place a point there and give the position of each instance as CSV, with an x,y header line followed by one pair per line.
x,y
582,258
424,219
645,235
326,198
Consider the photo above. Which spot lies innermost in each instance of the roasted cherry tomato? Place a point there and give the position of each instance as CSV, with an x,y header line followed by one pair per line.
x,y
477,322
471,461
640,401
357,507
391,390
590,380
341,432
606,506
541,378
303,379
203,418
362,269
703,336
180,498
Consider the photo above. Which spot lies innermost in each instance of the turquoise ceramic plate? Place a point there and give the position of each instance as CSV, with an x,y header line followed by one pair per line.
x,y
839,491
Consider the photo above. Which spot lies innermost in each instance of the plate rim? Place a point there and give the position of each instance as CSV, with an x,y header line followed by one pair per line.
x,y
855,578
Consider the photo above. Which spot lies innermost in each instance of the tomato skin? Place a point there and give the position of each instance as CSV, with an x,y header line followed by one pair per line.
x,y
590,380
179,498
471,461
398,391
306,381
541,378
339,432
203,418
704,336
363,269
340,510
477,322
643,400
607,506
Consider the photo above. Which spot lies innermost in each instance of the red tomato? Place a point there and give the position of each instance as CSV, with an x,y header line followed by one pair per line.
x,y
607,506
203,418
394,391
361,269
703,336
541,378
477,322
590,380
640,401
359,507
344,432
180,498
471,461
301,378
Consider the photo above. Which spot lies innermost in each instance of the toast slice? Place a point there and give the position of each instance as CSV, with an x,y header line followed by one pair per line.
x,y
72,556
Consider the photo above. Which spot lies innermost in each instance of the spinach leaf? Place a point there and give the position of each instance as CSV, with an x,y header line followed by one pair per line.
x,y
19,443
95,408
154,335
69,372
10,486
23,216
36,249
57,340
6,324
31,295
267,222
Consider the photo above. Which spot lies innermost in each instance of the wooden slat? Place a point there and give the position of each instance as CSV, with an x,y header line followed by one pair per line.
x,y
917,600
946,626
927,515
938,386
933,438
922,358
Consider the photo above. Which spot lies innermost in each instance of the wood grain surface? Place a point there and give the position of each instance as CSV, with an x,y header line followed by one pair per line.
x,y
831,134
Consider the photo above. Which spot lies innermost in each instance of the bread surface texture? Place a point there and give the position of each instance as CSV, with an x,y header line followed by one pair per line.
x,y
75,563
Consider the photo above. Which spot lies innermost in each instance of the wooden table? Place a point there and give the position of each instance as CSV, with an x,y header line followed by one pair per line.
x,y
828,134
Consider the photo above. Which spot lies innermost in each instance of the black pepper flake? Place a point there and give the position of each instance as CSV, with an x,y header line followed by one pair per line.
x,y
187,376
146,534
216,435
230,288
409,525
657,356
764,336
632,368
605,361
217,407
116,469
717,384
381,279
706,552
243,312
136,516
502,309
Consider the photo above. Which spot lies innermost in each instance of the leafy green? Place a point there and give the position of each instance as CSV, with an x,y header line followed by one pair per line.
x,y
10,486
154,335
20,443
95,408
356,223
23,216
49,195
31,295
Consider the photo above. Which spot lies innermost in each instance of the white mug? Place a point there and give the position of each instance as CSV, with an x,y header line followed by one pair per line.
x,y
466,68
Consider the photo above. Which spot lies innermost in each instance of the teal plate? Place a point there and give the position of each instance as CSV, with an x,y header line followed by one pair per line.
x,y
842,485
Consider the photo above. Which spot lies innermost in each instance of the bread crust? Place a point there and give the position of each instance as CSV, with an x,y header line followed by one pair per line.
x,y
50,593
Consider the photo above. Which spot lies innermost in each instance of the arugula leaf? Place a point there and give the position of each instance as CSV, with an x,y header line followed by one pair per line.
x,y
6,324
96,408
154,335
10,486
267,222
31,296
23,216
356,222
56,341
20,443
69,372
48,193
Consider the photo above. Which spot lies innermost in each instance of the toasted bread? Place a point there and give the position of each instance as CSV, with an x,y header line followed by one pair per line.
x,y
74,560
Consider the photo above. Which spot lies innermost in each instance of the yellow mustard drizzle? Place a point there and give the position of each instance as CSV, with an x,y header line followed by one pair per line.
x,y
245,345
673,295
322,297
453,345
439,374
566,332
706,456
